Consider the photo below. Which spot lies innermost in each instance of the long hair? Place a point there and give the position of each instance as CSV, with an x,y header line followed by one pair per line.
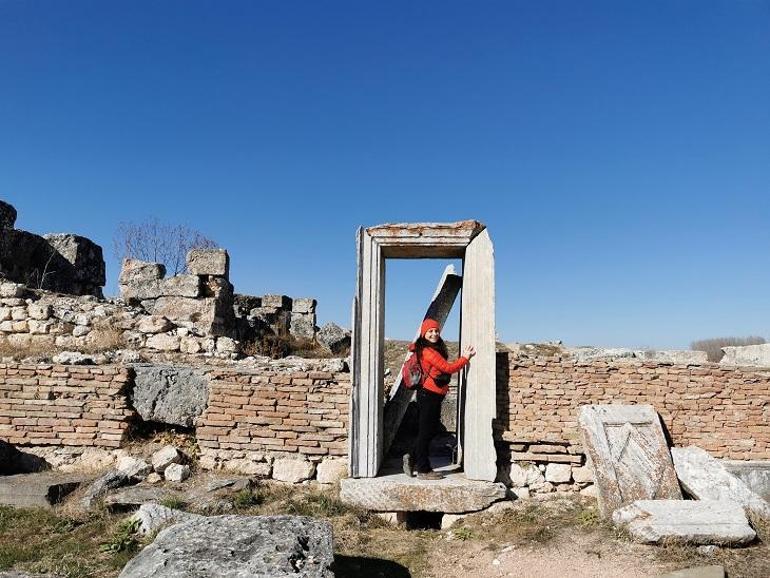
x,y
422,343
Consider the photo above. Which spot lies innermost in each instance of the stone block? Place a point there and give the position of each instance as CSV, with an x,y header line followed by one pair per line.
x,y
163,342
86,259
41,312
214,262
583,474
238,546
154,324
333,338
292,470
164,457
11,289
133,468
154,517
136,272
629,454
754,473
277,301
177,472
302,325
719,522
747,355
38,490
7,216
331,471
181,286
207,315
242,304
705,478
558,473
169,394
303,305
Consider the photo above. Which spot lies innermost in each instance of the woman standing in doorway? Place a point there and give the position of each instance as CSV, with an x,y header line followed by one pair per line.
x,y
432,354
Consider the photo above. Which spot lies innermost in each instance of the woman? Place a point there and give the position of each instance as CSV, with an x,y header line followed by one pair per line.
x,y
432,354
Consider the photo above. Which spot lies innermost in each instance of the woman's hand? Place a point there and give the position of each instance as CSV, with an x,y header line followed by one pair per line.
x,y
469,351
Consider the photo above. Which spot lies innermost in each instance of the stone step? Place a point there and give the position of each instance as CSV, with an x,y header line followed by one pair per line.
x,y
38,490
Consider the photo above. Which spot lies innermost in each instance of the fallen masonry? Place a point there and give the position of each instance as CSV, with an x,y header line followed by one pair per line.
x,y
37,490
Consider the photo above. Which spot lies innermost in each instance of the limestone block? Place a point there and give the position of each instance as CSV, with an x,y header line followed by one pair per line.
x,y
331,471
20,327
678,356
136,272
190,345
169,394
181,286
276,301
154,324
719,522
747,355
6,326
40,312
214,262
10,289
754,473
705,478
583,474
207,315
163,342
226,345
133,468
629,454
242,304
164,457
333,338
302,325
5,313
521,475
248,467
558,473
86,259
238,546
177,472
303,305
292,470
153,517
7,215
19,313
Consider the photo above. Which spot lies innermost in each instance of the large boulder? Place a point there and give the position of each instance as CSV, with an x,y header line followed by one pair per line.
x,y
7,216
334,338
169,394
238,547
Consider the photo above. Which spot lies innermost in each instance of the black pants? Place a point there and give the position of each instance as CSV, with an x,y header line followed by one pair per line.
x,y
429,418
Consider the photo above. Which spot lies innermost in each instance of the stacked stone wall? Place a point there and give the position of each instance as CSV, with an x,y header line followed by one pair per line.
x,y
254,418
58,405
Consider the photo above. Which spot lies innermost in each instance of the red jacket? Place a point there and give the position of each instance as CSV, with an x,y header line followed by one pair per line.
x,y
434,365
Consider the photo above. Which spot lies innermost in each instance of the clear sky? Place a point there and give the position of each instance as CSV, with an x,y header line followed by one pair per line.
x,y
619,152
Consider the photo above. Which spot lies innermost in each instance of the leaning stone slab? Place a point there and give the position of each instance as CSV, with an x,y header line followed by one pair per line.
x,y
397,493
629,454
169,394
238,547
720,522
705,478
153,517
40,490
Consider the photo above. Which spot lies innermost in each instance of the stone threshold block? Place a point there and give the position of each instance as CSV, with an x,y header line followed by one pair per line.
x,y
705,478
455,494
39,490
720,522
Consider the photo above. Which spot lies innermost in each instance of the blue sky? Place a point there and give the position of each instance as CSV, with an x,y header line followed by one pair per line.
x,y
619,152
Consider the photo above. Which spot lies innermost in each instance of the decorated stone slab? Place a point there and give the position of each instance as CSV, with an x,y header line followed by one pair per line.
x,y
719,522
705,478
629,454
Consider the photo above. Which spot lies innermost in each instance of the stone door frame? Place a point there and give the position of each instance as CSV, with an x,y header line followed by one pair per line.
x,y
466,240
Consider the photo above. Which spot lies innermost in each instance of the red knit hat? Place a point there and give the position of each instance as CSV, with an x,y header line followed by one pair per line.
x,y
428,324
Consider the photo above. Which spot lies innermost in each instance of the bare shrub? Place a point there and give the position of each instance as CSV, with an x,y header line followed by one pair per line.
x,y
283,345
713,347
158,242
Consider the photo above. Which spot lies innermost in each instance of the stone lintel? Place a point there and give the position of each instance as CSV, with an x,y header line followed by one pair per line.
x,y
424,240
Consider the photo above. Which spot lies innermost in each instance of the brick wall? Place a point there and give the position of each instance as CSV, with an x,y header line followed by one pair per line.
x,y
249,414
726,411
44,405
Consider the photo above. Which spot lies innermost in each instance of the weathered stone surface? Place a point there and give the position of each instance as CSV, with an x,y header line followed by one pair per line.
x,y
153,517
77,358
130,498
583,474
685,521
452,495
7,216
521,475
302,325
154,324
558,473
214,262
331,471
177,472
334,338
754,473
40,490
163,342
712,571
164,457
169,394
303,305
292,470
108,481
242,304
9,289
674,356
238,547
705,478
629,454
134,468
209,316
87,274
136,272
181,286
276,301
747,355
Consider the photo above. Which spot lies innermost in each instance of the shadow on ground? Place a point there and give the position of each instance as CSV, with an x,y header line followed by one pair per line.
x,y
357,566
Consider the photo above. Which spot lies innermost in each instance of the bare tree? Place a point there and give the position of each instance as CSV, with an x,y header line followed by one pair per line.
x,y
159,243
713,347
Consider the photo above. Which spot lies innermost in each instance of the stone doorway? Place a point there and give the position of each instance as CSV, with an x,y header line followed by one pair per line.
x,y
466,240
